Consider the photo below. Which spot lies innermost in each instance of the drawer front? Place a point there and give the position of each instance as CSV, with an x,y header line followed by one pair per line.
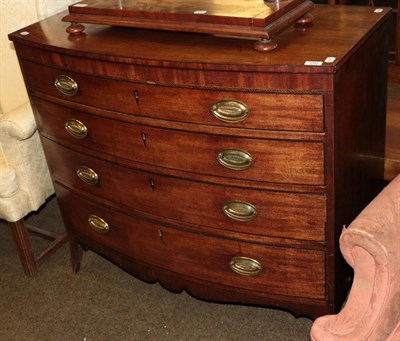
x,y
301,112
261,268
294,162
260,212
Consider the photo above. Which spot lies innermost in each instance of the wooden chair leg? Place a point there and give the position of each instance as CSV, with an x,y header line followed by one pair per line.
x,y
29,261
24,248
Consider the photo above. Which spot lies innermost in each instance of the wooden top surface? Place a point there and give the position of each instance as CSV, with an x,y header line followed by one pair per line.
x,y
336,33
251,13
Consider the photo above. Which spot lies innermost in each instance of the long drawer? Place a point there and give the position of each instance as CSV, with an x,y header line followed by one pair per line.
x,y
244,109
259,212
294,162
256,267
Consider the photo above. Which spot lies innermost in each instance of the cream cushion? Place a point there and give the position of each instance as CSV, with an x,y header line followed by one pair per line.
x,y
24,177
8,178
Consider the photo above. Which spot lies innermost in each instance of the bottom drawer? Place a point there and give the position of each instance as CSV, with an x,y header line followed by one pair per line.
x,y
237,264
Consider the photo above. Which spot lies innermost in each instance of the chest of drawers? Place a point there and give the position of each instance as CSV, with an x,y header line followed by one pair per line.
x,y
195,161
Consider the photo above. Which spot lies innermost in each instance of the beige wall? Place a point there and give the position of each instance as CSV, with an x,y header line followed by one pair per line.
x,y
15,14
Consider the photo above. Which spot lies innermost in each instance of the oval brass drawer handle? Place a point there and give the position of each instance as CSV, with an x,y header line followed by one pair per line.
x,y
66,85
98,224
235,159
87,175
76,128
245,266
240,210
231,111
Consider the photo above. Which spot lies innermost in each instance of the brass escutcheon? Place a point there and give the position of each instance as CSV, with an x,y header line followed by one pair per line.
x,y
66,85
231,111
98,224
76,128
235,159
87,175
245,266
240,210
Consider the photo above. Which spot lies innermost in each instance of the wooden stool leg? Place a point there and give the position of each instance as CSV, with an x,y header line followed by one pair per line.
x,y
23,244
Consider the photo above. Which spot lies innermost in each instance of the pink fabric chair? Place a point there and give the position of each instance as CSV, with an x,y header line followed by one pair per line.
x,y
371,245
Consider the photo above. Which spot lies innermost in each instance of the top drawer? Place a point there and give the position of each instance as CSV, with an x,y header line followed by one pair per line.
x,y
292,112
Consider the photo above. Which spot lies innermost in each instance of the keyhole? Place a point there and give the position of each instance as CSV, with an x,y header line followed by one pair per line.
x,y
144,138
136,94
160,234
152,184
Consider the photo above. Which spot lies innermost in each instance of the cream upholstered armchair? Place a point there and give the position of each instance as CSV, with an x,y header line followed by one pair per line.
x,y
25,182
371,245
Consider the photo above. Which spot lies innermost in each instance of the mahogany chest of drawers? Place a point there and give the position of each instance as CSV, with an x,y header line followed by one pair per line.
x,y
195,161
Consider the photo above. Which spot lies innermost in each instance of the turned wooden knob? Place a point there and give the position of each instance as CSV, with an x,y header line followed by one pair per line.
x,y
265,45
75,28
305,20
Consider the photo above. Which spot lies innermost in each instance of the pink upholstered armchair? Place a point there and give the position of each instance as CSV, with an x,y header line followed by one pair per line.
x,y
371,245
